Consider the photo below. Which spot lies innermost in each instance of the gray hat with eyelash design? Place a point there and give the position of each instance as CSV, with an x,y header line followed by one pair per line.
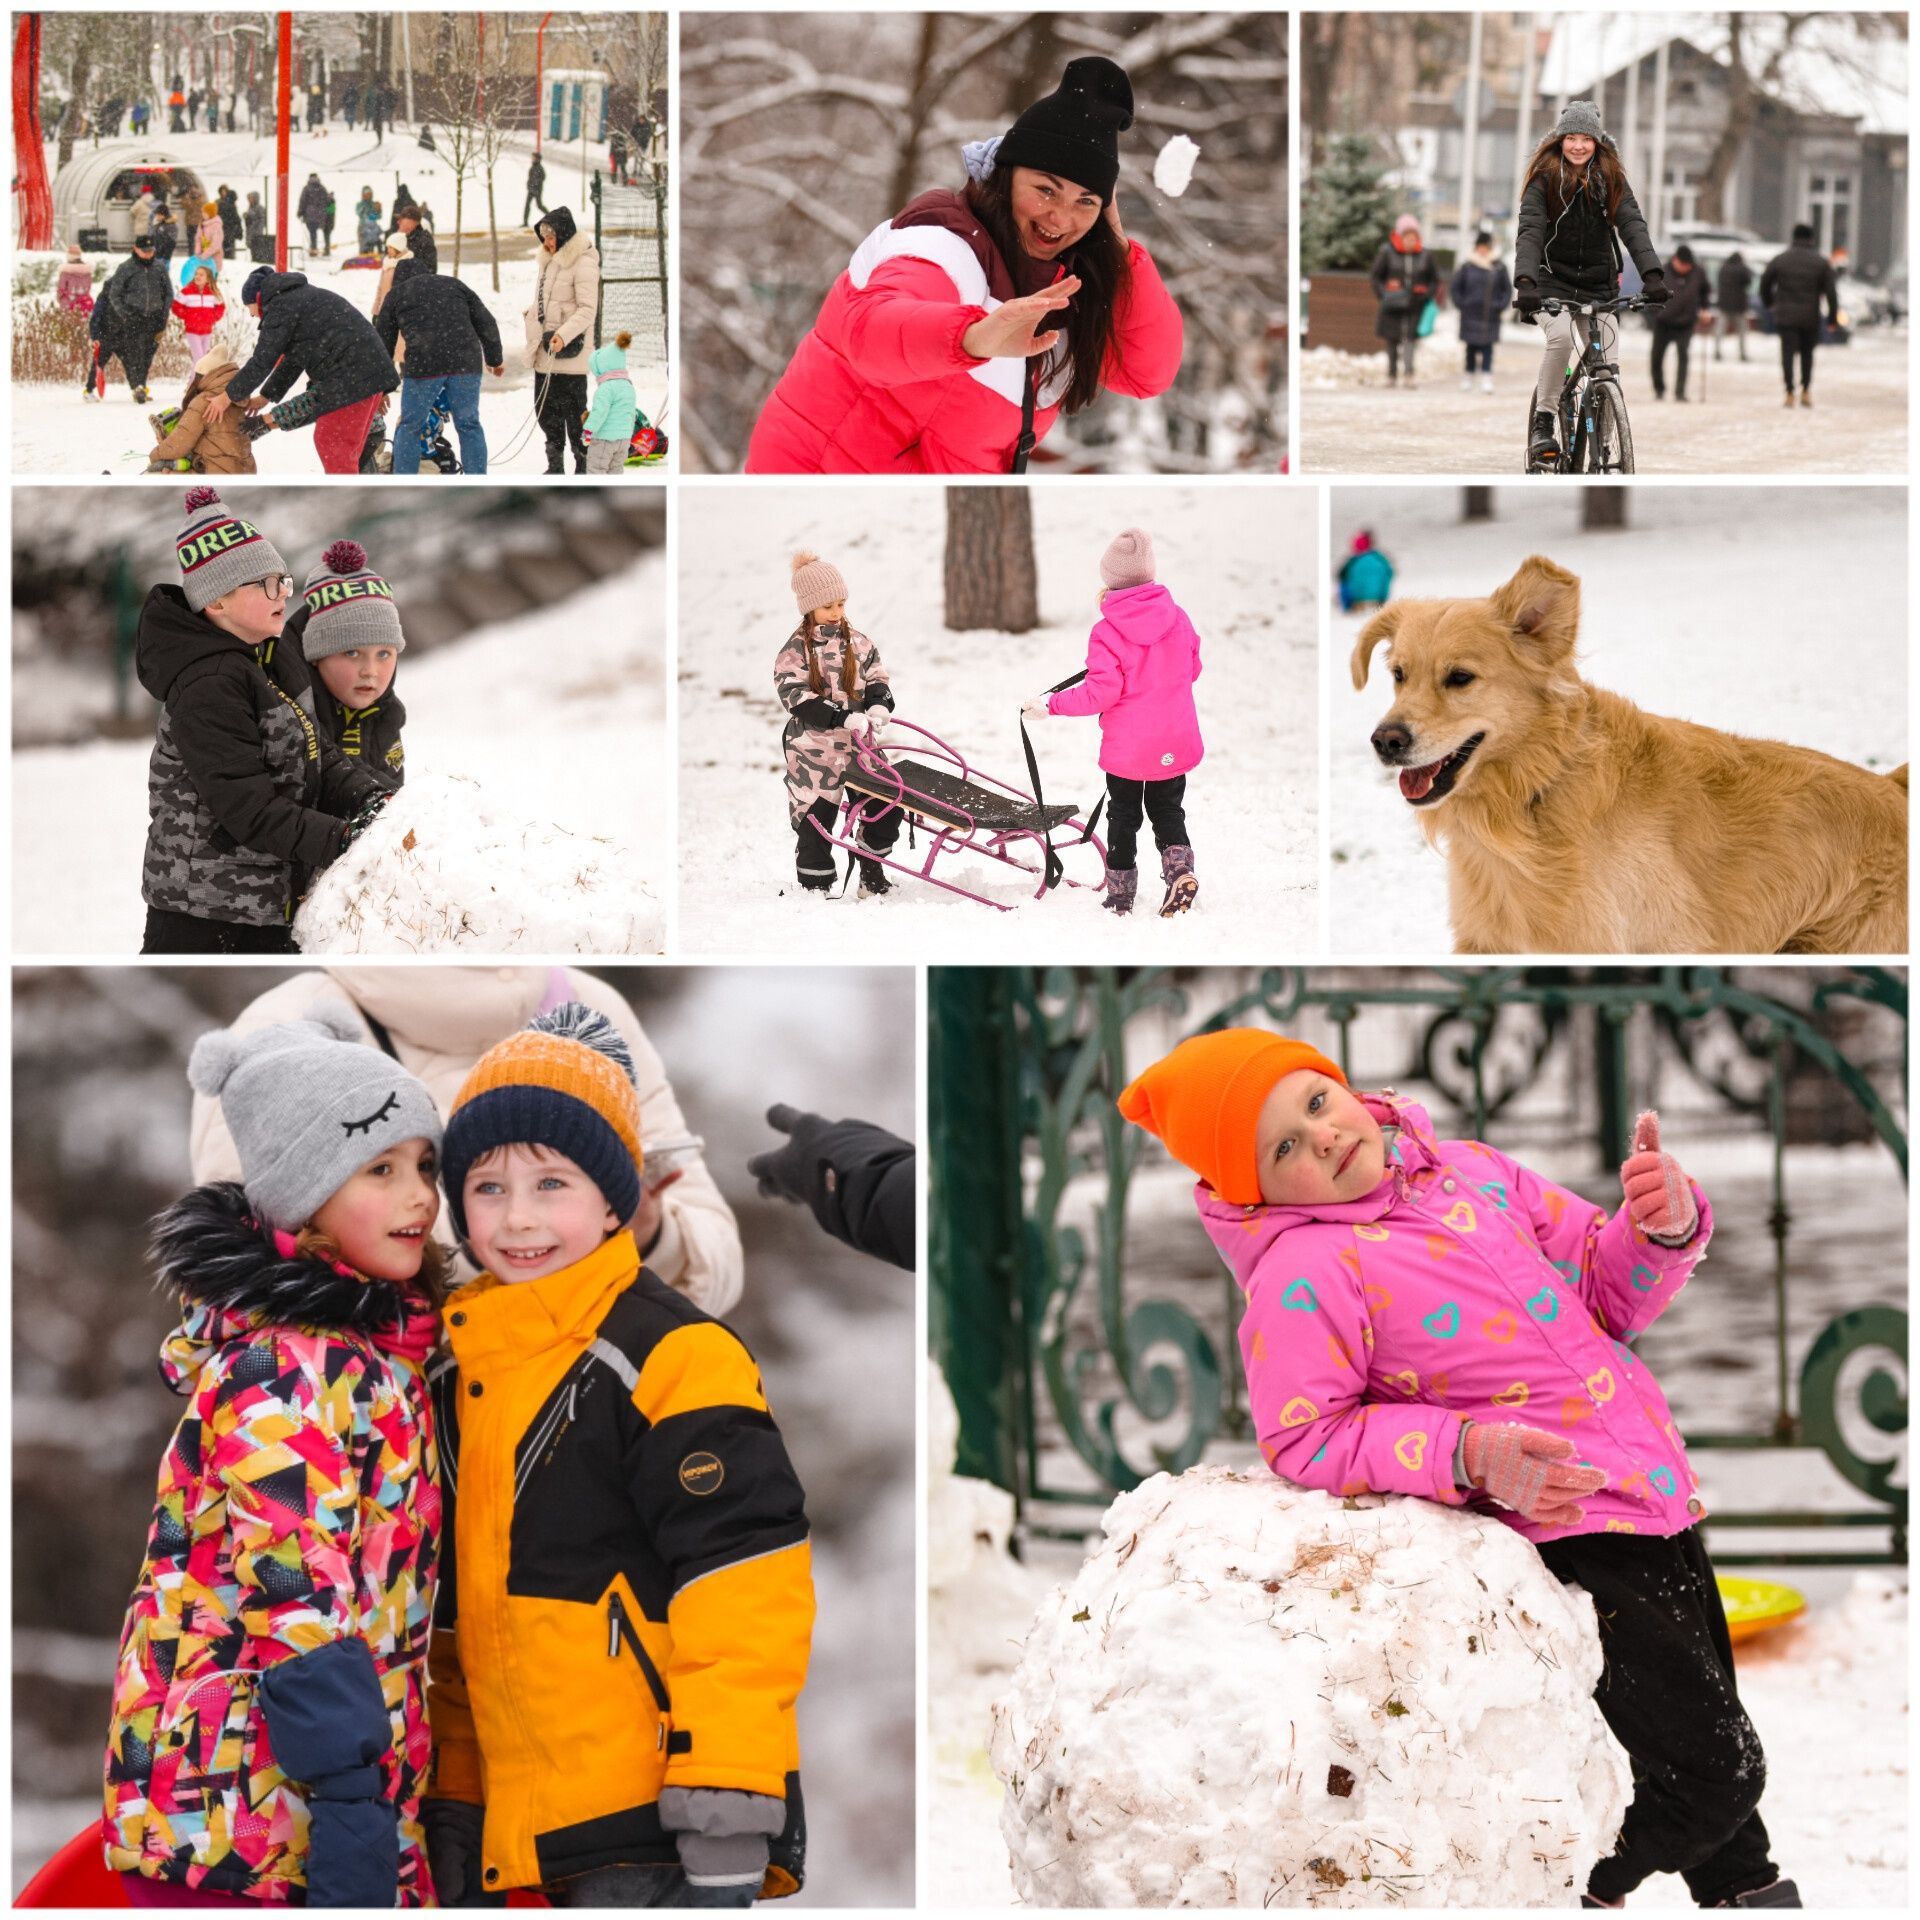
x,y
308,1103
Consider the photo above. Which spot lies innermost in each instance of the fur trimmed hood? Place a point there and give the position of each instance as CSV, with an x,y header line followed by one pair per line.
x,y
234,1278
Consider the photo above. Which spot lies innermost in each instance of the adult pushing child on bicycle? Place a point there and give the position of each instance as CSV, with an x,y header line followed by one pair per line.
x,y
1576,213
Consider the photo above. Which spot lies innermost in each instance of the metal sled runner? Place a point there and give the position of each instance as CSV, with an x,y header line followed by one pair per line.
x,y
960,810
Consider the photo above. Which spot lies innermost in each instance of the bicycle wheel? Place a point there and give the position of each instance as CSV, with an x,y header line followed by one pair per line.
x,y
1612,447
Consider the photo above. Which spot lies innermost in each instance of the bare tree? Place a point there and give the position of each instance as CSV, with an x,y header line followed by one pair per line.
x,y
991,579
1745,90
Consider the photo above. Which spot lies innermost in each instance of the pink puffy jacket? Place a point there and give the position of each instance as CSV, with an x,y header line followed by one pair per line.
x,y
1142,661
882,385
1463,1287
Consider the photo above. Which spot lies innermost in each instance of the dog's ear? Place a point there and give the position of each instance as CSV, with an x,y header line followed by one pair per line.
x,y
1541,603
1380,627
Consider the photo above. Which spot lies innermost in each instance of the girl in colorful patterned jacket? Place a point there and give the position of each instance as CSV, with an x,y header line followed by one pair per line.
x,y
199,307
269,1737
1430,1317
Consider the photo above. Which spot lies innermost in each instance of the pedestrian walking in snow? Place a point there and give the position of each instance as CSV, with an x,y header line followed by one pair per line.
x,y
1675,324
411,223
1480,289
366,217
312,332
536,190
1346,1357
198,305
350,104
1404,277
244,798
210,237
137,120
445,334
836,690
309,1300
347,630
1143,657
616,410
227,203
1792,289
326,226
316,107
213,113
128,320
189,441
564,308
1577,212
1731,292
166,233
966,324
73,291
255,220
313,211
176,110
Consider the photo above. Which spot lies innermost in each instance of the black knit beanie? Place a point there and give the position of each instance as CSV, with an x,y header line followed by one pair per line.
x,y
1075,130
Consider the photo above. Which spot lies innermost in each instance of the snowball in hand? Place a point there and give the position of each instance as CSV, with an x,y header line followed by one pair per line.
x,y
1254,1695
1173,167
444,867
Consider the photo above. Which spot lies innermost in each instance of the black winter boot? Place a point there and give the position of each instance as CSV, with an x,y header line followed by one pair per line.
x,y
1779,1893
873,878
1546,443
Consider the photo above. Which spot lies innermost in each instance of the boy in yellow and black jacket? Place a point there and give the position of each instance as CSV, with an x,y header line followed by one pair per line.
x,y
623,1625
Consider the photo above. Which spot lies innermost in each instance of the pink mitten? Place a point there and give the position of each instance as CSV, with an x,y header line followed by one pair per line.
x,y
1658,1195
1525,1469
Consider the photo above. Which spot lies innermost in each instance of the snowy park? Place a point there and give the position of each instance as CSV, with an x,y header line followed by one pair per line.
x,y
472,184
535,737
1778,614
1238,561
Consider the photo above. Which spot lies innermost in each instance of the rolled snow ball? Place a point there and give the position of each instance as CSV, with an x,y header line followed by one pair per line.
x,y
1173,166
1254,1695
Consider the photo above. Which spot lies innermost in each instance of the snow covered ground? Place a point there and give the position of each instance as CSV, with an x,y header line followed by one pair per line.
x,y
1240,562
1351,421
56,431
560,716
1777,613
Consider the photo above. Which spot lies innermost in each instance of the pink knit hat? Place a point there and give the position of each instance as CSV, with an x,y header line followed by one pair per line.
x,y
816,582
1129,561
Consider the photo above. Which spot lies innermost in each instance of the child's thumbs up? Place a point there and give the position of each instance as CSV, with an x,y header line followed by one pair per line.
x,y
1646,1133
1658,1194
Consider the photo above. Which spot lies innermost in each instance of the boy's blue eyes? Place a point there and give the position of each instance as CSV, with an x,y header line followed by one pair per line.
x,y
1314,1105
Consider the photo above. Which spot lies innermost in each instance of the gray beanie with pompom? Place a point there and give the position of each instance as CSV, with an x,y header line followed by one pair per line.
x,y
309,1103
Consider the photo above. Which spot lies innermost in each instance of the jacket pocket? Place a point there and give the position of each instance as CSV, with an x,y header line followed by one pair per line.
x,y
621,1631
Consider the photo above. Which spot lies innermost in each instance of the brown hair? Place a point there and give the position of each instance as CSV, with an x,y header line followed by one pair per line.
x,y
1602,176
849,667
623,341
1099,257
432,1281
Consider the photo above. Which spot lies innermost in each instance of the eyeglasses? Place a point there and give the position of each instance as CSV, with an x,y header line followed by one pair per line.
x,y
276,586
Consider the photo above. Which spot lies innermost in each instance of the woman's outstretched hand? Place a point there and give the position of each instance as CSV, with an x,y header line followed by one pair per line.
x,y
1657,1192
1012,331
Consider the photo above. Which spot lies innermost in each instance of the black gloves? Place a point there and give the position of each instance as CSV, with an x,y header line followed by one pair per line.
x,y
857,1178
1656,292
1527,300
453,1829
358,823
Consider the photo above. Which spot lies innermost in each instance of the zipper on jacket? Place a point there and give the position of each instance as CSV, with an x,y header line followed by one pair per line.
x,y
620,1628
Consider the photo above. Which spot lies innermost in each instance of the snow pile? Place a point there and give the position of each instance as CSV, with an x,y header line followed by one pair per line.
x,y
1173,166
1255,1695
445,867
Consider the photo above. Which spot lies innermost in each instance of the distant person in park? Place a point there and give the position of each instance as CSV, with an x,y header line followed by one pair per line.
x,y
141,113
835,689
244,802
536,190
1404,277
856,1179
140,214
1792,289
191,443
255,222
210,237
198,305
326,225
1576,214
965,325
425,142
73,291
1143,657
410,221
1735,285
316,107
128,320
166,233
1366,575
366,218
176,110
313,211
559,320
213,113
227,202
350,104
617,155
379,111
1481,289
1676,323
446,335
312,332
347,631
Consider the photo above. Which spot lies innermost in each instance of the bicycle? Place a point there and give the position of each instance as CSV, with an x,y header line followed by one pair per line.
x,y
1594,435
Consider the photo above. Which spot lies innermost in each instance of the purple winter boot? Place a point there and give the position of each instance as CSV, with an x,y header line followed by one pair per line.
x,y
1122,885
1176,873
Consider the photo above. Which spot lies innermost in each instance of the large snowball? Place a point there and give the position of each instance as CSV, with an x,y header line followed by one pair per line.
x,y
1257,1696
444,867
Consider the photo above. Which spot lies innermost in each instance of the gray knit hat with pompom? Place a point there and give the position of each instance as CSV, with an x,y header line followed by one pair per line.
x,y
309,1103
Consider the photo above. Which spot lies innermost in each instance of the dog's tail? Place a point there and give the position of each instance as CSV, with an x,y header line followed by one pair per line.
x,y
1899,777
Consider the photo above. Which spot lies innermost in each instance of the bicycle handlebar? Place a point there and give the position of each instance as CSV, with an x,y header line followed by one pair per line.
x,y
1632,304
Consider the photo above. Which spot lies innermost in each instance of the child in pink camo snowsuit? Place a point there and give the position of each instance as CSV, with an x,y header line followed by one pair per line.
x,y
1430,1317
1143,657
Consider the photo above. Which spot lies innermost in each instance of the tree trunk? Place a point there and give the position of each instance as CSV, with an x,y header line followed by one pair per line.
x,y
991,580
1603,509
1476,503
493,229
459,218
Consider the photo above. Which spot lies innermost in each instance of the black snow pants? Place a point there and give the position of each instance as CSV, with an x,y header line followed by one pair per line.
x,y
1667,1691
135,355
813,863
189,933
1797,343
1161,803
563,418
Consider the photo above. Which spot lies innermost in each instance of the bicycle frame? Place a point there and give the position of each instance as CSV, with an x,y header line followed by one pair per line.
x,y
1590,371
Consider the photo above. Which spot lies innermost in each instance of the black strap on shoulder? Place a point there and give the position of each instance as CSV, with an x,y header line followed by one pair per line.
x,y
381,1035
1054,870
1024,445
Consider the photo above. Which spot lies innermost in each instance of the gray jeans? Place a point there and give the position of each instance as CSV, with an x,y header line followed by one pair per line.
x,y
607,456
642,1887
1566,340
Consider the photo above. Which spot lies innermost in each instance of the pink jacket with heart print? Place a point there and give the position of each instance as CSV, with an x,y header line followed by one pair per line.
x,y
1142,660
1463,1287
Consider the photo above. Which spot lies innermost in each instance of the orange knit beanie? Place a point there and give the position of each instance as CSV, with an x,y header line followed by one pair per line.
x,y
1204,1101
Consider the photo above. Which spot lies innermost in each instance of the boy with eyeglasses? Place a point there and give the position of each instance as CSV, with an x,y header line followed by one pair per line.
x,y
245,796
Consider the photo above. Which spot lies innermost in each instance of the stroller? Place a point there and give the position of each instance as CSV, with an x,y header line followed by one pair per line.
x,y
376,456
960,810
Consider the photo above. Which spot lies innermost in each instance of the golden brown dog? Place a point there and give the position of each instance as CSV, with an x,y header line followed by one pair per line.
x,y
1574,823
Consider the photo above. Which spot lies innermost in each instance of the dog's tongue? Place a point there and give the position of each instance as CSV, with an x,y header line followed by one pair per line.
x,y
1417,782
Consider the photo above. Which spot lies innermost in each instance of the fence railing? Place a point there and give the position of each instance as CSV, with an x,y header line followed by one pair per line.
x,y
1024,1067
630,231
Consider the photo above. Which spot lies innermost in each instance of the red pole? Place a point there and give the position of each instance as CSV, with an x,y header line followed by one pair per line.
x,y
539,67
30,154
284,135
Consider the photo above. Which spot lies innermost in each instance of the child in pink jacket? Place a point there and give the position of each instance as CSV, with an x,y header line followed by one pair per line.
x,y
1143,657
1431,1317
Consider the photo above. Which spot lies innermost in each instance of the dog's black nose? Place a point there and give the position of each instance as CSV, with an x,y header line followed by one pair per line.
x,y
1392,741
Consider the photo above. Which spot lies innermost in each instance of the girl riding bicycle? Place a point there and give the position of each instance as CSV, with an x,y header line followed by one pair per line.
x,y
1575,214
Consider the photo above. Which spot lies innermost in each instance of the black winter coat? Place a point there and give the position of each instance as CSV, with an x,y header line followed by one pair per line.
x,y
1574,253
857,1178
1480,295
1403,283
1736,282
134,305
420,247
244,796
313,204
1690,298
368,736
230,222
307,330
1796,282
445,324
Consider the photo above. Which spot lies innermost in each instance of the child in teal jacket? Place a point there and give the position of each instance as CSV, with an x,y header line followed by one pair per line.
x,y
615,411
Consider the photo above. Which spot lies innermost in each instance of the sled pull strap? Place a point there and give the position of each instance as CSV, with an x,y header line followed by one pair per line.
x,y
1054,870
1024,445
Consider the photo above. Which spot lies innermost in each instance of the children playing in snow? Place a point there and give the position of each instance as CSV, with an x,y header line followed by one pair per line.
x,y
269,1735
210,237
615,411
1143,657
189,441
1406,1298
835,689
198,305
347,629
245,797
616,1665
